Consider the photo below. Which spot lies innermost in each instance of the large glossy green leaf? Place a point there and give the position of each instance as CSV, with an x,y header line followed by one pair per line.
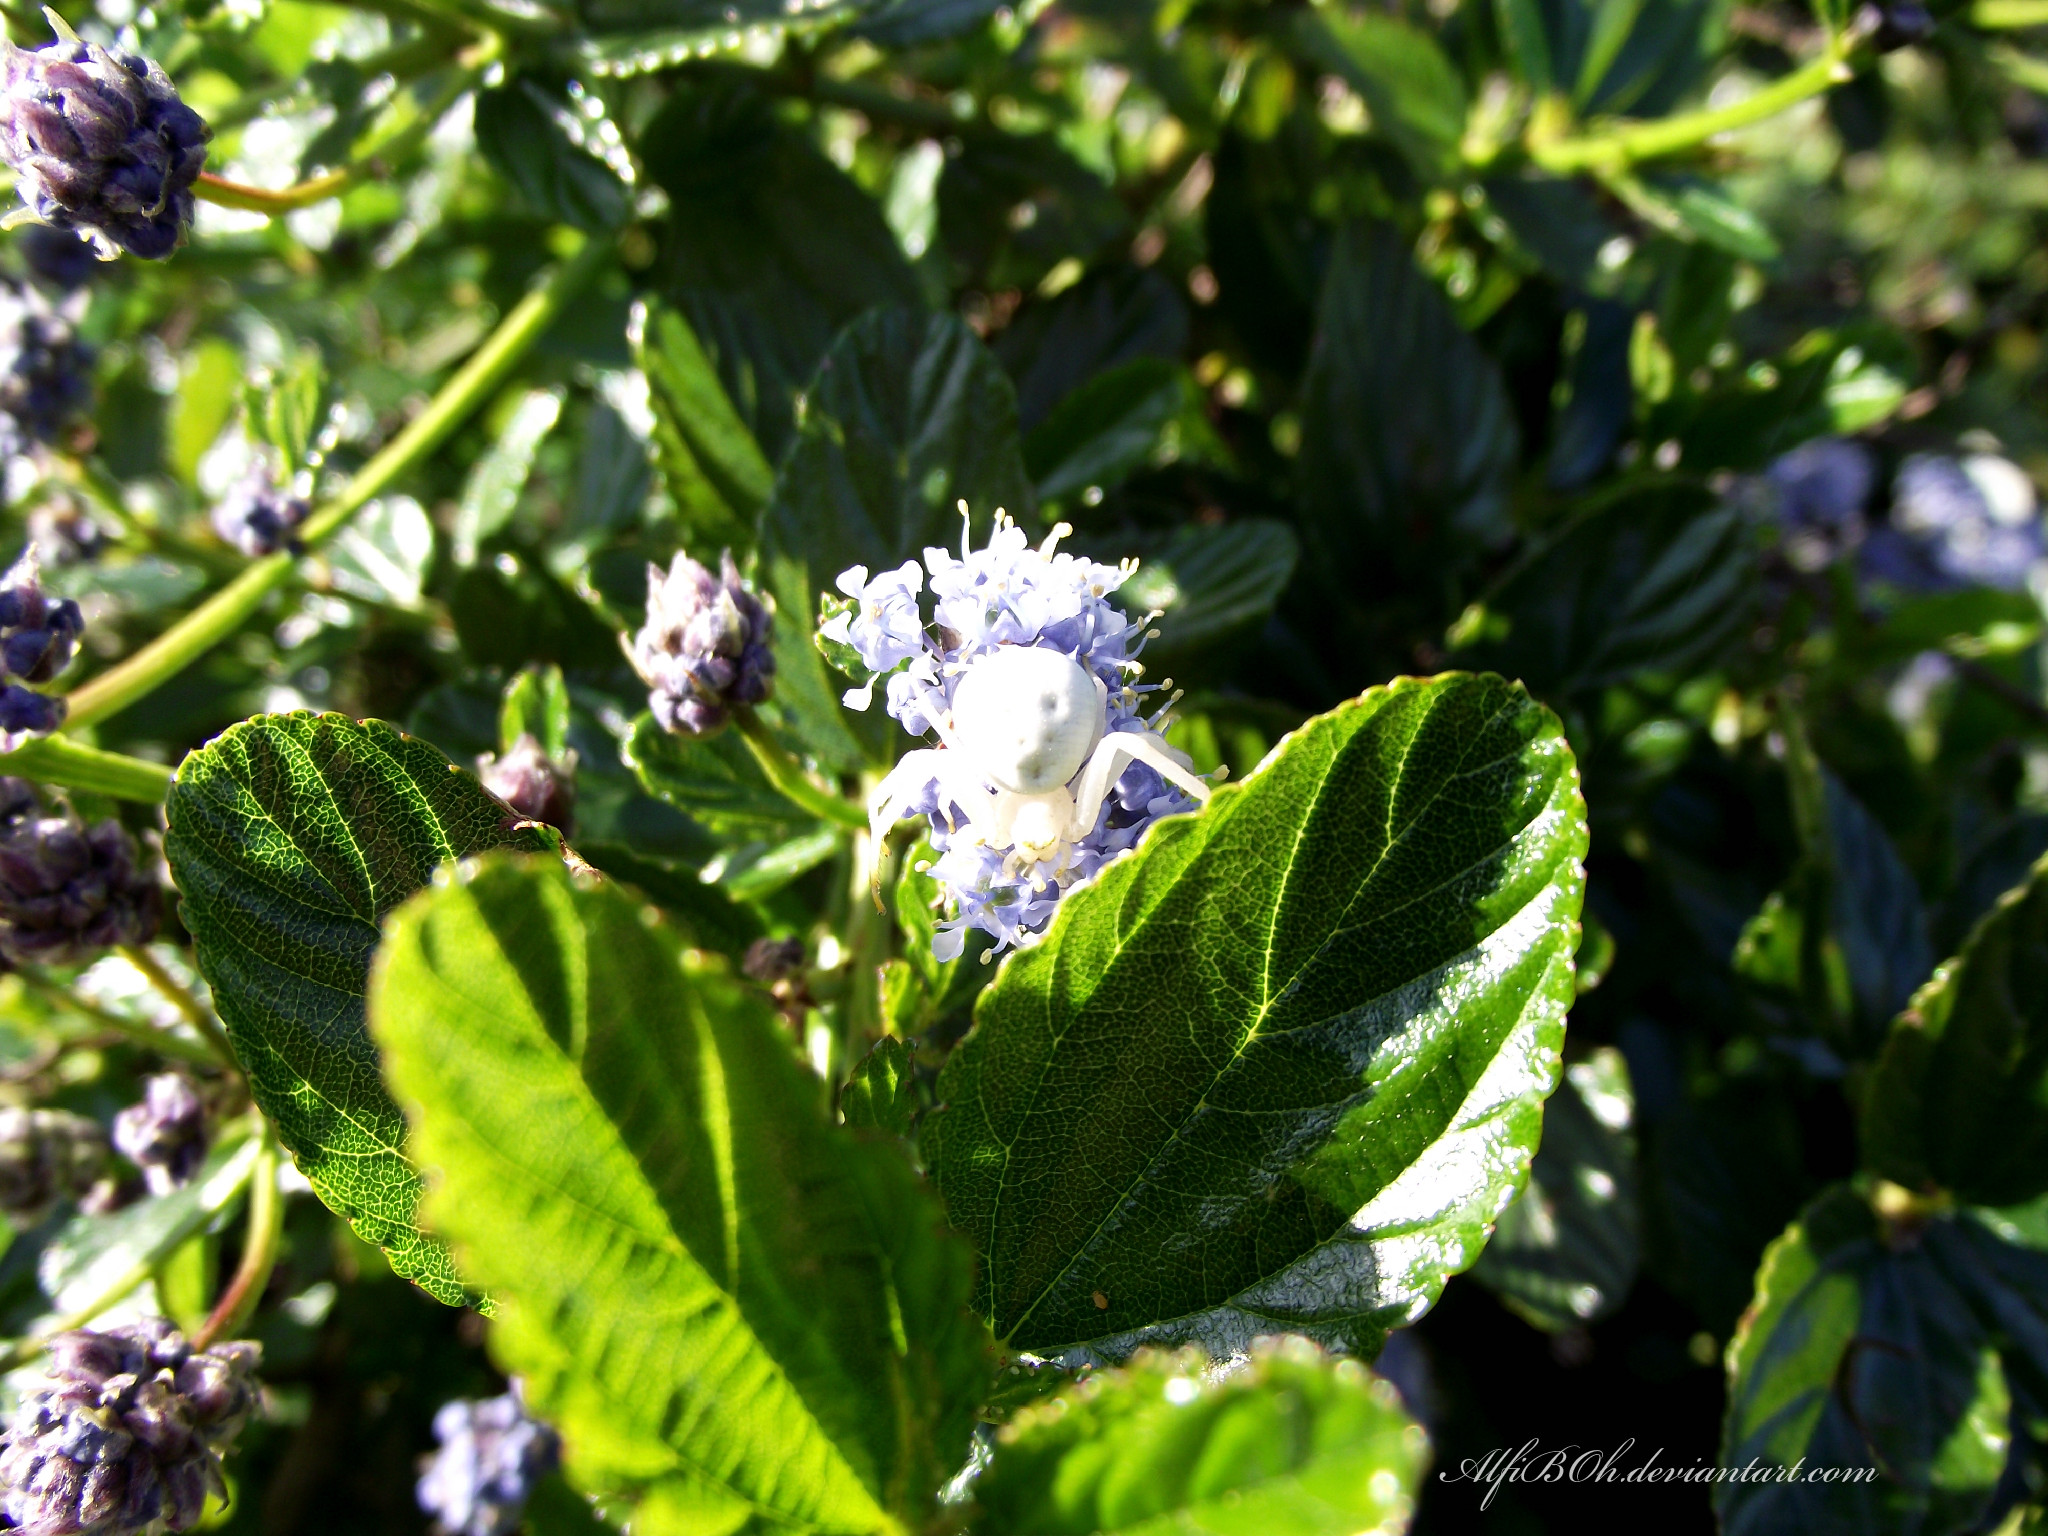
x,y
1290,1444
1960,1095
1565,1252
739,1316
1407,437
1656,582
1282,1066
1862,1355
291,838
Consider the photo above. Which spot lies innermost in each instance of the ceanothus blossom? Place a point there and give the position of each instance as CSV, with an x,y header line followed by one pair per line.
x,y
1027,672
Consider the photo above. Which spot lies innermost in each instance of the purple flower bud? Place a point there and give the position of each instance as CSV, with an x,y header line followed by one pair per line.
x,y
127,1429
101,144
38,633
65,533
165,1134
537,787
256,515
46,1155
704,647
45,371
25,713
57,257
67,891
492,1454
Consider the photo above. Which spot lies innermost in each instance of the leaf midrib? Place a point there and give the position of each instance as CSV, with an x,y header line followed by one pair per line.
x,y
1431,704
667,1240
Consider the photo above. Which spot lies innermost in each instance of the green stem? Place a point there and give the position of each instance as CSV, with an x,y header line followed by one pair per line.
x,y
259,1251
162,1041
373,162
228,609
1617,148
73,765
196,1013
788,778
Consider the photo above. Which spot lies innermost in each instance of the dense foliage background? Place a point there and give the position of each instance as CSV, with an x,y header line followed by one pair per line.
x,y
1680,359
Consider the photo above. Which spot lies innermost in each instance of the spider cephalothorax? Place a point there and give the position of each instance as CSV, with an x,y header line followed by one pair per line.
x,y
1045,767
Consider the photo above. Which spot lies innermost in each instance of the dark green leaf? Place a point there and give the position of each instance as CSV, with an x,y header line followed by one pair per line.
x,y
713,780
1332,1108
1011,208
882,1092
909,415
1208,582
906,23
1565,1252
291,838
710,918
770,248
1292,1442
1960,1095
727,1306
1145,411
713,466
1863,1356
1408,440
519,131
1413,91
1106,320
1652,582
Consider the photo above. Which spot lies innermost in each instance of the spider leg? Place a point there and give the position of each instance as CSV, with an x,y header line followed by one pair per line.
x,y
1107,764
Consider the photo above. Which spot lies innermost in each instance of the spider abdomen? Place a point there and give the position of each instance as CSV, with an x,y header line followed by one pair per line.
x,y
1028,717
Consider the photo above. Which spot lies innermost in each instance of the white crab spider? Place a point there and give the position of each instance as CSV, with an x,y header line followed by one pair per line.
x,y
1031,723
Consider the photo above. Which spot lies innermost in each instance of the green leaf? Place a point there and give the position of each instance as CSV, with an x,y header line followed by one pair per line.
x,y
1408,441
291,837
730,1309
1959,1098
382,554
1012,207
1865,946
881,1094
1412,89
1145,411
713,780
909,415
1565,1253
283,409
710,461
492,490
520,132
536,704
1309,1130
1659,581
706,915
1210,582
91,1257
770,249
1291,1442
1865,1356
